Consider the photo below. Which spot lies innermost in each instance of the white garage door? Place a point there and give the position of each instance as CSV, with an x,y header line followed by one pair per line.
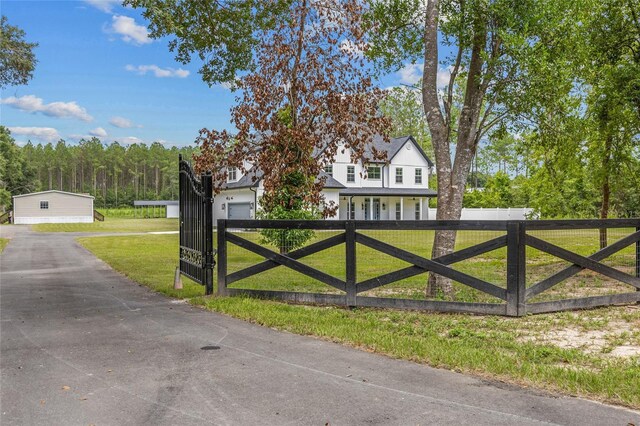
x,y
239,211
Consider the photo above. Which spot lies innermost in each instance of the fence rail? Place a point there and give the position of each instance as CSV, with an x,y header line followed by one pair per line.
x,y
6,217
98,216
516,239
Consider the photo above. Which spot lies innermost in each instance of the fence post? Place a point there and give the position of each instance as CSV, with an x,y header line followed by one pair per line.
x,y
222,257
516,268
350,244
638,259
209,262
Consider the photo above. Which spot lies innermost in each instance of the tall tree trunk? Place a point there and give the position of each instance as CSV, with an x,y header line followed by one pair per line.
x,y
606,189
451,178
144,180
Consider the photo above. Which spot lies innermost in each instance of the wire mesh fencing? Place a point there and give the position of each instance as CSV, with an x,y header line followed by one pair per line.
x,y
495,267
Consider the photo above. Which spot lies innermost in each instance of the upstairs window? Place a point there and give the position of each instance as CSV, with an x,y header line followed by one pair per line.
x,y
232,174
351,174
373,172
329,170
44,205
399,175
419,176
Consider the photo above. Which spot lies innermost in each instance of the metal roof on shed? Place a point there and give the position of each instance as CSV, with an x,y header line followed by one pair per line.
x,y
155,203
53,190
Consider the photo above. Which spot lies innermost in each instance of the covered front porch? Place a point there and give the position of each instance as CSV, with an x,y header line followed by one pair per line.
x,y
384,204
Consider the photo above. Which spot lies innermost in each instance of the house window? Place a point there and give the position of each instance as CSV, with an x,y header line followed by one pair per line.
x,y
398,212
418,211
44,205
373,172
329,170
351,174
419,176
232,174
352,210
399,175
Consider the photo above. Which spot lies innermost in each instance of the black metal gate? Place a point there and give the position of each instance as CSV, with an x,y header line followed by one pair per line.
x,y
196,226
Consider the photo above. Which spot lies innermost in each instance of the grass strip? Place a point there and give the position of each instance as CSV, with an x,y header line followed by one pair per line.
x,y
3,243
112,225
506,349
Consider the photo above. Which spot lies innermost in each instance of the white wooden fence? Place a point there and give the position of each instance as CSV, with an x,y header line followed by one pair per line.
x,y
492,214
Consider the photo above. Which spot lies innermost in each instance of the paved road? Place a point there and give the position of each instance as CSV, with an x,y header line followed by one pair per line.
x,y
82,345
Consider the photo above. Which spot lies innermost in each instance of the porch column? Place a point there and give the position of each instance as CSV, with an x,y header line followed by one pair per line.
x,y
401,208
370,209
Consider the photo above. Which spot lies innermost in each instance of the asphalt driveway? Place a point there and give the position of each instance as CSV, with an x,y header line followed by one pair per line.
x,y
81,344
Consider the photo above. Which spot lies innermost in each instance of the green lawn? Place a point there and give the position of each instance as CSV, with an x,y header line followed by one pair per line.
x,y
3,243
577,353
112,225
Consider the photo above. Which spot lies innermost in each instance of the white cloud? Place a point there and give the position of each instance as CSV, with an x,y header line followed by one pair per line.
x,y
411,74
31,103
157,71
129,30
46,134
103,5
123,123
128,140
98,132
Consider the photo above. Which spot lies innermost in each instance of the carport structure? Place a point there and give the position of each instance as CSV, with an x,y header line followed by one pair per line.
x,y
159,208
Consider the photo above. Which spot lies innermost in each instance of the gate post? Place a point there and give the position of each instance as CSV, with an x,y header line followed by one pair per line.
x,y
209,263
638,259
516,268
350,244
638,256
222,257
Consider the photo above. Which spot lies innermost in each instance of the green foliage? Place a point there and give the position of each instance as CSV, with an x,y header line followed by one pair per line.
x,y
115,174
404,106
17,60
222,34
287,240
16,173
498,192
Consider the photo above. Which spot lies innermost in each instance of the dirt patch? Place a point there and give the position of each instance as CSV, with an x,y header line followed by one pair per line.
x,y
612,339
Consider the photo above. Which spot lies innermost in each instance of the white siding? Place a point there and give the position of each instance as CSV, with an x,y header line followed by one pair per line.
x,y
62,208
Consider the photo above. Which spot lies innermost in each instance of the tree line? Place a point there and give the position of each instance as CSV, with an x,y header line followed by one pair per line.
x,y
114,174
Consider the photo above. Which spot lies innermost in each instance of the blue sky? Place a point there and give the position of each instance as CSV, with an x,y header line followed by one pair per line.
x,y
98,74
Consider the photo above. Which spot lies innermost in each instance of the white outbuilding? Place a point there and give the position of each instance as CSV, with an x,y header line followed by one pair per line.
x,y
52,207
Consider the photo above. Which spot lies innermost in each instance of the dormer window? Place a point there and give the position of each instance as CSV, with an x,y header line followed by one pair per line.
x,y
232,174
373,172
329,170
399,175
351,174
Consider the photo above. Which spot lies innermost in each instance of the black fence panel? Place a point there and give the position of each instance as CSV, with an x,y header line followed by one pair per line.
x,y
524,244
196,226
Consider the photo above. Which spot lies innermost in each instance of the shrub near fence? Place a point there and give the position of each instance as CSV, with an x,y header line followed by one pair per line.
x,y
499,267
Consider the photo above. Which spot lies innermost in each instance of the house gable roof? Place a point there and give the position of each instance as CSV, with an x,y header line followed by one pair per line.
x,y
395,145
54,191
252,178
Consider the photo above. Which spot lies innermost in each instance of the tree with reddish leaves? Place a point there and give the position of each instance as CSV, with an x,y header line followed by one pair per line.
x,y
309,94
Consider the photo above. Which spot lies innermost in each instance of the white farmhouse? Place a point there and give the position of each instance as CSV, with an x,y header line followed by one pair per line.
x,y
395,189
